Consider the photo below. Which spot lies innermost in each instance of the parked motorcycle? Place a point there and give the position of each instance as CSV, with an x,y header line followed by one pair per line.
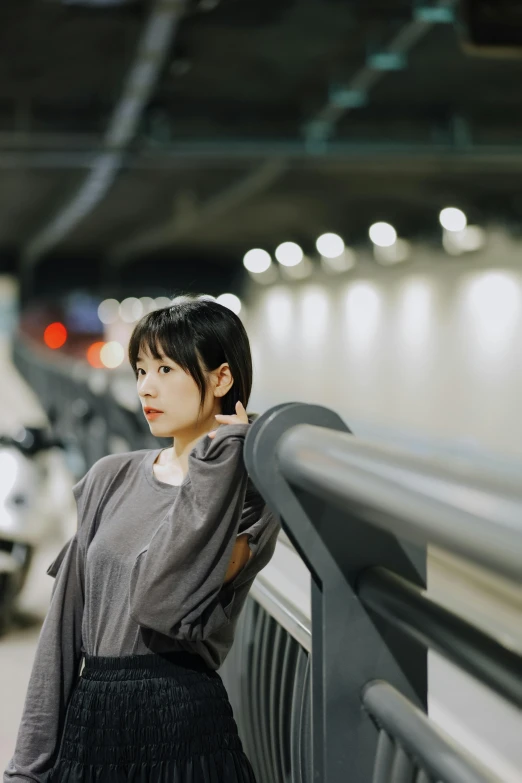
x,y
24,523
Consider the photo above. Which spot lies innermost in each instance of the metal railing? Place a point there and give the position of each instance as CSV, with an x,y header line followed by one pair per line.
x,y
360,516
343,697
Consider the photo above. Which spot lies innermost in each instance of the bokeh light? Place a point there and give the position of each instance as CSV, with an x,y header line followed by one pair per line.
x,y
93,355
55,335
257,260
330,245
453,219
231,301
112,354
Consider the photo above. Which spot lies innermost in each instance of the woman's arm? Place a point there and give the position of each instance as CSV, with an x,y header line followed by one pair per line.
x,y
58,654
55,669
241,554
177,584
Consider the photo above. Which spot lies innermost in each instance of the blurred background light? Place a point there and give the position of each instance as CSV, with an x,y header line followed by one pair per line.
x,y
112,354
470,239
279,314
314,316
299,271
493,299
362,309
161,302
93,355
289,254
339,264
55,335
231,301
148,304
383,234
131,310
388,255
109,311
453,219
257,260
330,245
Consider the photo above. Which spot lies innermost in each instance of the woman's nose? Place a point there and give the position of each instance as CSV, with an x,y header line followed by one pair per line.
x,y
146,387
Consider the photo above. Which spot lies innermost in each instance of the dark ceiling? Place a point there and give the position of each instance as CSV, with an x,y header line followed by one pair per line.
x,y
270,120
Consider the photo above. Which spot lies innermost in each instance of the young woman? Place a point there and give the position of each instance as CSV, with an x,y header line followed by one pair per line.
x,y
149,589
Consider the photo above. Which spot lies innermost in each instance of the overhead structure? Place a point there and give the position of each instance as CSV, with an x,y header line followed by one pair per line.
x,y
392,57
352,95
181,226
152,49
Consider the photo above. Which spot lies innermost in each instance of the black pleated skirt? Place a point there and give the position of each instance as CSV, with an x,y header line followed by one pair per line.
x,y
150,719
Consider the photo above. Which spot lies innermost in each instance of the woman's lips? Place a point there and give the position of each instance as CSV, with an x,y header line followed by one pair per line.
x,y
153,414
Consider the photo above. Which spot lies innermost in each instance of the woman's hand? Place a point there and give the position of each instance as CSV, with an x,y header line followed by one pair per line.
x,y
240,417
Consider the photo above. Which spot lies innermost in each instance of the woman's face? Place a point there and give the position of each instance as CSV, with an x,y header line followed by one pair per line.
x,y
164,385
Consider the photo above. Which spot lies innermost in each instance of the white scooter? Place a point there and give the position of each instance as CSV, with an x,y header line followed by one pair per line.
x,y
24,521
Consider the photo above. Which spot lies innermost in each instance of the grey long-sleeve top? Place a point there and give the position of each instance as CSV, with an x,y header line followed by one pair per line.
x,y
144,573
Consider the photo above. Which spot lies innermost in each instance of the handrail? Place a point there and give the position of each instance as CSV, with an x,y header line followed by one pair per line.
x,y
288,616
418,498
361,516
408,608
396,715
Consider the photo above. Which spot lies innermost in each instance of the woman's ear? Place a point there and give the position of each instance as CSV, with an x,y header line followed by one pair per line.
x,y
223,380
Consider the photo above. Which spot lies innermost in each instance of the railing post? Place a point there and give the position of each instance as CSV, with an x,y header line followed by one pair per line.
x,y
349,647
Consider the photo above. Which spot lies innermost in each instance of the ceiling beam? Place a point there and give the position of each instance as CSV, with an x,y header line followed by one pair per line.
x,y
354,94
317,133
193,155
152,50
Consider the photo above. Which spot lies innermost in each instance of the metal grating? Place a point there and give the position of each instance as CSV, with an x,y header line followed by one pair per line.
x,y
267,676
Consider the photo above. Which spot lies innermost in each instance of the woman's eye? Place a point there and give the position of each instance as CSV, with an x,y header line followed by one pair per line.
x,y
164,366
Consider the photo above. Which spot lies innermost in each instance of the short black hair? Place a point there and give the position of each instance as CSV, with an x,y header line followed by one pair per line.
x,y
199,335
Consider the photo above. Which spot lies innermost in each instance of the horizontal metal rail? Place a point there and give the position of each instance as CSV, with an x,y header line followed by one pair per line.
x,y
287,615
421,738
406,607
424,500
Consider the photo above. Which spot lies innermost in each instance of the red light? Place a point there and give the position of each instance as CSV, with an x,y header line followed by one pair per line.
x,y
93,355
55,335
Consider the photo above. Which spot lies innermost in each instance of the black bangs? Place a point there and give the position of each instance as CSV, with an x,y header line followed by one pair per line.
x,y
199,335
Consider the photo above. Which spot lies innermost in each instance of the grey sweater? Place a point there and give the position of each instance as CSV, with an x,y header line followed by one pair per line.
x,y
143,573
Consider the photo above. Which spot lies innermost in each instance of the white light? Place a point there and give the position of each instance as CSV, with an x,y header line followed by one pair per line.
x,y
330,245
207,297
148,304
108,311
314,317
415,314
257,260
474,238
383,235
342,263
392,254
289,254
471,238
298,272
131,310
363,307
453,219
112,354
161,301
231,301
279,307
495,302
269,276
